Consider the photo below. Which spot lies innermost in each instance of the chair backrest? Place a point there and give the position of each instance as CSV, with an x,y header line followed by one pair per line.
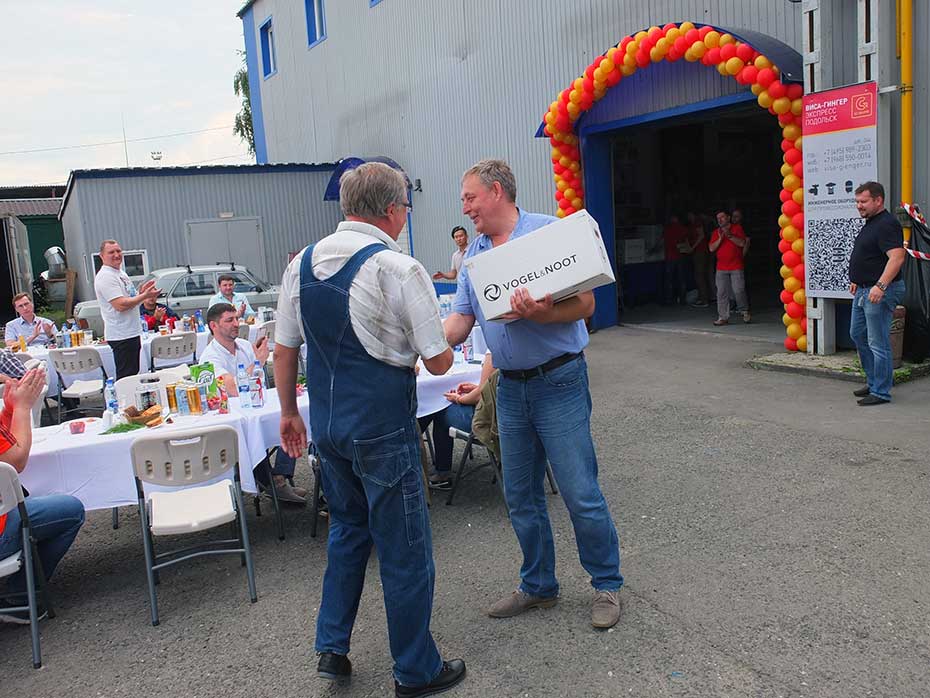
x,y
267,330
174,346
126,387
172,373
11,492
244,331
186,457
76,360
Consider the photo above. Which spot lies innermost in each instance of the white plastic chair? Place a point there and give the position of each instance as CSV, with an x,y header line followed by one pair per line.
x,y
173,347
126,387
244,329
173,373
185,461
11,497
267,330
73,362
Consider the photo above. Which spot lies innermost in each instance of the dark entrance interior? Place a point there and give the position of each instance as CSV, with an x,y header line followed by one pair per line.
x,y
721,159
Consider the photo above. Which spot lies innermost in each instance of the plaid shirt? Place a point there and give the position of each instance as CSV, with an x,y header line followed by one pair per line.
x,y
10,365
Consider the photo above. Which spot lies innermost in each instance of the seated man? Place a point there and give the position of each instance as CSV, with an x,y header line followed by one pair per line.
x,y
34,329
228,295
458,414
55,519
155,314
226,352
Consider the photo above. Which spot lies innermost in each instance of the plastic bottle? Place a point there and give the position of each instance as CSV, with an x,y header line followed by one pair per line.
x,y
468,349
66,336
109,397
224,396
199,317
145,325
256,389
242,384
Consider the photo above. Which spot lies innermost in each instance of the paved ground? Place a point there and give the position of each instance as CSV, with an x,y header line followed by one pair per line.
x,y
774,542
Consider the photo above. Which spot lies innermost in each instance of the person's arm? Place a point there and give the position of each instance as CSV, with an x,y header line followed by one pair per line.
x,y
472,396
449,275
124,303
10,336
525,307
18,398
293,430
895,261
738,239
457,326
261,352
715,241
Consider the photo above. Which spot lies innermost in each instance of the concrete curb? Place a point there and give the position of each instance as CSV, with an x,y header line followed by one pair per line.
x,y
777,362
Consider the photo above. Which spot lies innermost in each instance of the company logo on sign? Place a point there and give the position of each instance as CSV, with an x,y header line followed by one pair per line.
x,y
492,292
863,106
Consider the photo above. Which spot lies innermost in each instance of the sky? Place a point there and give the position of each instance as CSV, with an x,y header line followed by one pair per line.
x,y
75,72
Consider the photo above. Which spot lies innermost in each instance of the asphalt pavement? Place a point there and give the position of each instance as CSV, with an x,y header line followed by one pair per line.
x,y
774,541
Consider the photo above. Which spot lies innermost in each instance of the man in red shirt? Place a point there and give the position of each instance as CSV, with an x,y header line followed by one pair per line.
x,y
727,242
55,519
675,236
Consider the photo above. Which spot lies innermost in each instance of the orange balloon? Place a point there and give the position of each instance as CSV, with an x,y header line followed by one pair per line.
x,y
734,65
802,343
798,196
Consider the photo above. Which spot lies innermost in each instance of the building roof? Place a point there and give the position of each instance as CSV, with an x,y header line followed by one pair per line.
x,y
121,172
23,208
245,7
32,191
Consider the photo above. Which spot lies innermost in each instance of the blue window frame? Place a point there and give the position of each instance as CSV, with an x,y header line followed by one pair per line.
x,y
269,58
372,3
316,22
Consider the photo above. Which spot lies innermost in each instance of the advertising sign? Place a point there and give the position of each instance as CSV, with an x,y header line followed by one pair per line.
x,y
840,153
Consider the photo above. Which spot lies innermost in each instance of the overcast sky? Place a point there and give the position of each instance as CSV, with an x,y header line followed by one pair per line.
x,y
73,70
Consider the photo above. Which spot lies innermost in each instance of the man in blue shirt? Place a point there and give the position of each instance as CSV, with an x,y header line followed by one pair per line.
x,y
543,408
227,295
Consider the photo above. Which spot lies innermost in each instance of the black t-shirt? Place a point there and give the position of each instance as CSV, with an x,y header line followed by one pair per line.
x,y
881,233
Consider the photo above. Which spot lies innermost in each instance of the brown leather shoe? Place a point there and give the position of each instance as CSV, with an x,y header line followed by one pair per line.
x,y
519,601
605,611
719,322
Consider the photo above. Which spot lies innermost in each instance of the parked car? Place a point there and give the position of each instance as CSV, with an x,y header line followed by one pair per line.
x,y
187,289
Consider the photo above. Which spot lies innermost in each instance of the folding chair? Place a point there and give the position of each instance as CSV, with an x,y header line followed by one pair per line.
x,y
470,441
272,488
244,329
11,497
174,347
173,373
181,460
74,362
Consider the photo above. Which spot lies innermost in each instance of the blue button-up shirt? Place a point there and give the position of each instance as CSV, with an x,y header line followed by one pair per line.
x,y
521,344
238,299
18,327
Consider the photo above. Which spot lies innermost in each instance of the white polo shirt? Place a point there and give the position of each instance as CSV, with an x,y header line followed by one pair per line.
x,y
392,301
226,362
113,283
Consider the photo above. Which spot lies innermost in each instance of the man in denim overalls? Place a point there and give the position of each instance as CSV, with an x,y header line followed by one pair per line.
x,y
366,311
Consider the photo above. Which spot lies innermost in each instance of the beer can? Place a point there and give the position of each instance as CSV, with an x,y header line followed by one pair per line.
x,y
180,391
172,398
202,389
193,399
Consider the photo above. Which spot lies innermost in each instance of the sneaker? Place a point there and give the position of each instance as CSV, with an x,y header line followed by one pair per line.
x,y
861,392
719,322
605,611
333,667
440,482
451,675
872,400
518,602
699,304
288,493
747,318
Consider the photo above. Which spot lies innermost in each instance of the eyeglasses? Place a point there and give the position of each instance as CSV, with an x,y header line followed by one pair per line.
x,y
407,204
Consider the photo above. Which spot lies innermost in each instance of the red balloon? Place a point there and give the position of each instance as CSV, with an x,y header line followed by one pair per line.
x,y
727,51
786,118
655,34
791,259
784,195
705,30
789,208
569,211
713,56
693,35
804,325
793,156
681,44
642,57
745,53
786,296
749,74
559,196
798,169
791,344
579,192
795,90
613,77
558,168
624,43
797,219
589,72
587,100
564,203
798,271
777,89
766,77
670,25
673,55
794,310
786,145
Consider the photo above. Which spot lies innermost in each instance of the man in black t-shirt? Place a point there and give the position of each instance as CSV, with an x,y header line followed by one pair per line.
x,y
877,287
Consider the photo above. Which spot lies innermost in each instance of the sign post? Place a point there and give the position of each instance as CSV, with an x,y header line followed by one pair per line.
x,y
840,153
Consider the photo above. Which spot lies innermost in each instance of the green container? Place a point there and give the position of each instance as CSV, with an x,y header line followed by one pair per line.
x,y
205,373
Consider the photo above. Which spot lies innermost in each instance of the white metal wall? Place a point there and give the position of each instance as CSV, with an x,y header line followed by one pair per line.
x,y
438,85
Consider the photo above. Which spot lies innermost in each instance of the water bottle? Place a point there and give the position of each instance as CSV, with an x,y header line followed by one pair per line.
x,y
66,336
109,397
457,356
199,316
468,349
145,325
242,384
256,390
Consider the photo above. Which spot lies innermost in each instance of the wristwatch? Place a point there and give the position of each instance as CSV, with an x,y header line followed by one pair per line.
x,y
882,286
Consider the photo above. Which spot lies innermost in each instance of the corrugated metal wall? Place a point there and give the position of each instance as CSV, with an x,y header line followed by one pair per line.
x,y
439,85
922,104
145,212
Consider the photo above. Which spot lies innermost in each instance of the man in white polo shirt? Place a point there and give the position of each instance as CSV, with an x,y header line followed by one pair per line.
x,y
119,306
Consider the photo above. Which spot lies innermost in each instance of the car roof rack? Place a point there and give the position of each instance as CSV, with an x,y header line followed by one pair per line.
x,y
185,266
232,265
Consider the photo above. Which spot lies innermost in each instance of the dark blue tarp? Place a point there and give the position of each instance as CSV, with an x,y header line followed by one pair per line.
x,y
350,163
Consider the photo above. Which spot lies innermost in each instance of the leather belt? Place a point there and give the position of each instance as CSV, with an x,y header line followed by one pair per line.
x,y
527,373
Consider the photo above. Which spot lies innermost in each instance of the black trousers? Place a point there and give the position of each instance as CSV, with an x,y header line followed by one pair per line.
x,y
126,356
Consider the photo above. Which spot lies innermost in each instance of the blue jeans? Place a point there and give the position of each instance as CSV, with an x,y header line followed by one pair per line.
x,y
549,417
455,415
55,521
378,499
870,329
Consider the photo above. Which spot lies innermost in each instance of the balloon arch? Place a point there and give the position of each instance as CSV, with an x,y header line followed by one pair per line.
x,y
731,57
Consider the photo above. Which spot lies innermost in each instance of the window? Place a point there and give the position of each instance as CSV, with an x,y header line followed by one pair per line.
x,y
194,285
135,263
372,3
269,58
316,22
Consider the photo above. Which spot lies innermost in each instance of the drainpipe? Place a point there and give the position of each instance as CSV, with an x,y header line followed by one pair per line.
x,y
906,37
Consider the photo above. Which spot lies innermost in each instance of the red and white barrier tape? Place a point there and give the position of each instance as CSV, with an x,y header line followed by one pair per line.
x,y
918,255
914,212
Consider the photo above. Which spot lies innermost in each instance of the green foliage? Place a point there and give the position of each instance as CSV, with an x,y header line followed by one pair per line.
x,y
242,126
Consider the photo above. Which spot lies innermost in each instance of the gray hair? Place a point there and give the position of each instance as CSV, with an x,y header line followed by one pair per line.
x,y
104,244
367,190
490,171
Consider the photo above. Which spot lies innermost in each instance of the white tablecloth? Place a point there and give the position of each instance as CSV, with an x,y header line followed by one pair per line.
x,y
430,388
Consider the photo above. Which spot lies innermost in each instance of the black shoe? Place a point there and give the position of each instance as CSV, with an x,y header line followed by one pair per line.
x,y
333,667
871,400
451,675
861,392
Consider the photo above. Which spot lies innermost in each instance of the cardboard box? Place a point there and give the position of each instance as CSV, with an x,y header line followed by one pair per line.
x,y
563,258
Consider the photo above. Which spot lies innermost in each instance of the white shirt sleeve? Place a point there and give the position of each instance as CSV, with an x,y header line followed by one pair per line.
x,y
418,313
287,319
108,287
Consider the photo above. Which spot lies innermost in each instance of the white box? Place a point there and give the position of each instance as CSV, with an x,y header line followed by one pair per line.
x,y
563,258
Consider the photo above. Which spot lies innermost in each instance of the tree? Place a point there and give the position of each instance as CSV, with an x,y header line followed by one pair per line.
x,y
243,123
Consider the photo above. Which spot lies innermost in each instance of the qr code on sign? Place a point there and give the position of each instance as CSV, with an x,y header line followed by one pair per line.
x,y
828,245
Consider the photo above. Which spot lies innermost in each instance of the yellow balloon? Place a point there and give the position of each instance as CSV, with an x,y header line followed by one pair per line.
x,y
632,48
722,69
756,89
765,101
798,196
611,56
655,55
762,62
800,297
782,105
798,246
799,142
784,221
791,132
786,170
712,39
689,56
629,61
639,36
564,161
663,45
598,75
578,84
699,48
685,27
599,92
569,193
560,213
562,185
792,284
791,182
573,109
797,106
577,203
802,343
794,330
574,96
789,232
734,65
726,39
607,65
574,167
628,70
786,319
673,34
785,272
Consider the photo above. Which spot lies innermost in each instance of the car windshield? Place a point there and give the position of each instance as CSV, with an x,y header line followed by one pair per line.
x,y
162,283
